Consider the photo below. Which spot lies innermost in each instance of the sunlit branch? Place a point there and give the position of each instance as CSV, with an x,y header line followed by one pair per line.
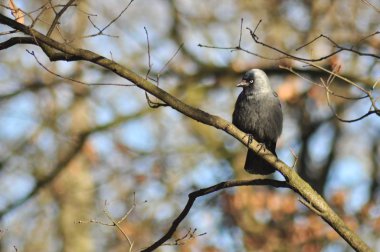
x,y
61,51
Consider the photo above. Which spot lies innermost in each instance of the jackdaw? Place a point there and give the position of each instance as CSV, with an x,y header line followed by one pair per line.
x,y
258,113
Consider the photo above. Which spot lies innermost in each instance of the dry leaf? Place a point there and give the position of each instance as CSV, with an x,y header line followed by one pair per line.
x,y
16,12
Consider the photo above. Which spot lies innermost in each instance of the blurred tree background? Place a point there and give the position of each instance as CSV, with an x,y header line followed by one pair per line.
x,y
67,148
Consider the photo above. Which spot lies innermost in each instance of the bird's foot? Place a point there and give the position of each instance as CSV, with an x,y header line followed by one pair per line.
x,y
261,147
250,139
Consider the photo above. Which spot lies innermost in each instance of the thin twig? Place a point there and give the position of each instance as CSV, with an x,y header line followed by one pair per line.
x,y
308,43
295,158
241,32
117,224
290,69
326,85
73,80
154,104
339,48
237,48
148,48
151,103
58,16
337,75
101,30
288,55
117,17
189,235
169,61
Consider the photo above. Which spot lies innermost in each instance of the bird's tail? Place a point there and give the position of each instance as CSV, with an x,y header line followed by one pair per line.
x,y
256,165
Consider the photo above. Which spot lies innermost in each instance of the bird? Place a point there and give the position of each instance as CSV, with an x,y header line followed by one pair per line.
x,y
258,113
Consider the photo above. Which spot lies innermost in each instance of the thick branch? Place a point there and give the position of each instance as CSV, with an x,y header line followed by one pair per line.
x,y
293,179
15,41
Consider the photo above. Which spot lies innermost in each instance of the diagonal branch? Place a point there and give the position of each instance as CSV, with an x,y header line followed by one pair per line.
x,y
300,186
338,47
204,191
58,16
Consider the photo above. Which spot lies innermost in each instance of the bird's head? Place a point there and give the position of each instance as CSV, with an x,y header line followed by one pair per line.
x,y
255,81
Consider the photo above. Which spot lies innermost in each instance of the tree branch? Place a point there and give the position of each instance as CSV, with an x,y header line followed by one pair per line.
x,y
15,41
204,191
58,16
292,178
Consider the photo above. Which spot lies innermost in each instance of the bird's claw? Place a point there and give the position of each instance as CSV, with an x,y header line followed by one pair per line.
x,y
262,146
250,139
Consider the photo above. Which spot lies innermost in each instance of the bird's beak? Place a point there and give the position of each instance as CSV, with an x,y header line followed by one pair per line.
x,y
243,83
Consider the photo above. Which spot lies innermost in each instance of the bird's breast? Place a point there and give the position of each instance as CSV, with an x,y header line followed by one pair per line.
x,y
256,115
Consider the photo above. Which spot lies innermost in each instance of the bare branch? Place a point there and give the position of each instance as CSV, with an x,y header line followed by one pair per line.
x,y
309,43
290,69
330,92
16,40
76,81
293,180
101,30
148,48
169,61
295,158
241,32
117,17
204,191
288,55
336,45
190,234
115,223
154,104
58,16
237,48
339,48
151,103
368,93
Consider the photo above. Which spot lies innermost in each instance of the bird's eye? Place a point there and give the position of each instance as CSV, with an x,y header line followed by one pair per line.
x,y
251,81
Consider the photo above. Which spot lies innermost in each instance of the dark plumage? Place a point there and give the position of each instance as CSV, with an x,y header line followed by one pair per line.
x,y
258,113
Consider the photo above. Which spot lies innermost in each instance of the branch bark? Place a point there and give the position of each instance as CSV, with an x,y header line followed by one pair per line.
x,y
60,51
